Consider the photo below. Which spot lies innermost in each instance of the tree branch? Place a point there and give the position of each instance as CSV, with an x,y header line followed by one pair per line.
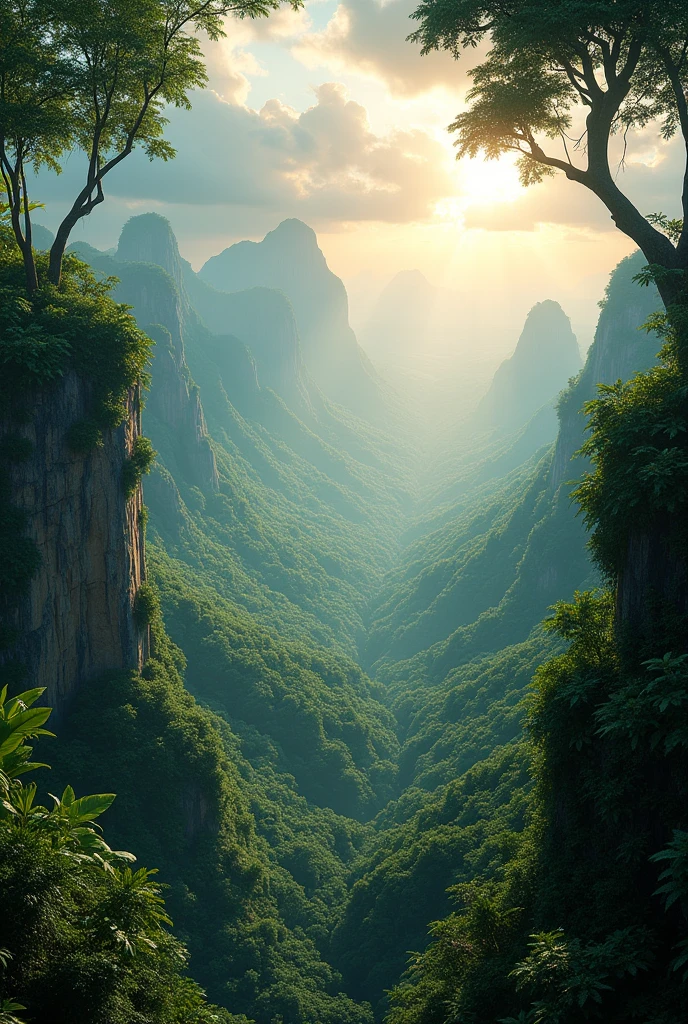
x,y
674,76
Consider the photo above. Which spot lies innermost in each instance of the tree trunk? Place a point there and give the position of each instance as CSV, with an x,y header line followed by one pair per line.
x,y
30,270
57,252
27,254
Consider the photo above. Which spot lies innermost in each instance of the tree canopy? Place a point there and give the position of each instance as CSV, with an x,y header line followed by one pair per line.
x,y
560,79
96,76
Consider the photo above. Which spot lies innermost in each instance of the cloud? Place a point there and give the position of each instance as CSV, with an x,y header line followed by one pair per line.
x,y
369,38
651,178
324,162
230,62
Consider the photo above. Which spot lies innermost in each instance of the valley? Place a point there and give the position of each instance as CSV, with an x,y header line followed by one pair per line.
x,y
350,606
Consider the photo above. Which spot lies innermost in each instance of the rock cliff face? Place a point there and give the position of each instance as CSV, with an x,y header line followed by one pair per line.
x,y
619,350
77,619
161,310
289,259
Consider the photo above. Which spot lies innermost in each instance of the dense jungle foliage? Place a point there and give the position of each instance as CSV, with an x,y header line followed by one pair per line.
x,y
310,821
83,933
590,919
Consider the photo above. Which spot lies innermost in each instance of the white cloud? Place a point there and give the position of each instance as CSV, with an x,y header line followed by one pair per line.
x,y
369,38
324,162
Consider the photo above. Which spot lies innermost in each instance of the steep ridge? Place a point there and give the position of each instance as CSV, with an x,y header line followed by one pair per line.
x,y
294,508
76,619
289,259
463,775
174,401
521,549
545,358
619,350
516,417
190,800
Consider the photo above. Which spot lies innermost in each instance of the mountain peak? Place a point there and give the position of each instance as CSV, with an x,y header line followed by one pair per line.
x,y
149,238
544,359
546,337
293,228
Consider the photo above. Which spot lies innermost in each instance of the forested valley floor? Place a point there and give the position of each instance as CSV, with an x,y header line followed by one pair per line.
x,y
326,755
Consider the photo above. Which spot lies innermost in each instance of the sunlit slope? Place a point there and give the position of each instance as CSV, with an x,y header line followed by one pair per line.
x,y
481,572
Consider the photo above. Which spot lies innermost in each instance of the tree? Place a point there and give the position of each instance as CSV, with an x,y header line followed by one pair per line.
x,y
34,127
97,75
83,936
622,63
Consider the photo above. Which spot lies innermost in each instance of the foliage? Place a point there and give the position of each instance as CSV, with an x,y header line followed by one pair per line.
x,y
139,462
96,76
585,935
34,124
471,830
146,605
84,935
619,66
319,709
639,447
184,804
76,327
573,977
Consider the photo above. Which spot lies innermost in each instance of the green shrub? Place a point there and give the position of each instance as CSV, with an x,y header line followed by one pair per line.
x,y
84,436
76,326
146,605
83,935
138,463
639,448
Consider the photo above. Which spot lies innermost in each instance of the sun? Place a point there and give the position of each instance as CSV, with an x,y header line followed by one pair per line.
x,y
480,183
488,181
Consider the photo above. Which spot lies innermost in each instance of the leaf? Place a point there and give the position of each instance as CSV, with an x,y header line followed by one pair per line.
x,y
89,807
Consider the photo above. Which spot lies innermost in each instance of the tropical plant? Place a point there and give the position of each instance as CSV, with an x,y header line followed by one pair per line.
x,y
84,936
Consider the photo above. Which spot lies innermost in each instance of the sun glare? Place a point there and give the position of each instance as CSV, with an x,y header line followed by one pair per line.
x,y
480,183
489,181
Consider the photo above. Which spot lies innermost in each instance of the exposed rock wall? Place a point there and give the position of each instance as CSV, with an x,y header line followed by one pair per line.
x,y
158,300
652,589
620,350
77,619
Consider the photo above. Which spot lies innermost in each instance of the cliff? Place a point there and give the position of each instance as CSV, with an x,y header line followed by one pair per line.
x,y
619,350
161,310
77,619
544,359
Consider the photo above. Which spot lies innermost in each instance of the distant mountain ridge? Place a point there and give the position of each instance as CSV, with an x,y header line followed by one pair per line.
x,y
545,358
289,259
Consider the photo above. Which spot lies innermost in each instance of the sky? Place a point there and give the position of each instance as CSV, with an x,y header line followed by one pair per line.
x,y
329,114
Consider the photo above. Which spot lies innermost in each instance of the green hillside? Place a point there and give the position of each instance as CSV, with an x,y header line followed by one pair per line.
x,y
331,814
